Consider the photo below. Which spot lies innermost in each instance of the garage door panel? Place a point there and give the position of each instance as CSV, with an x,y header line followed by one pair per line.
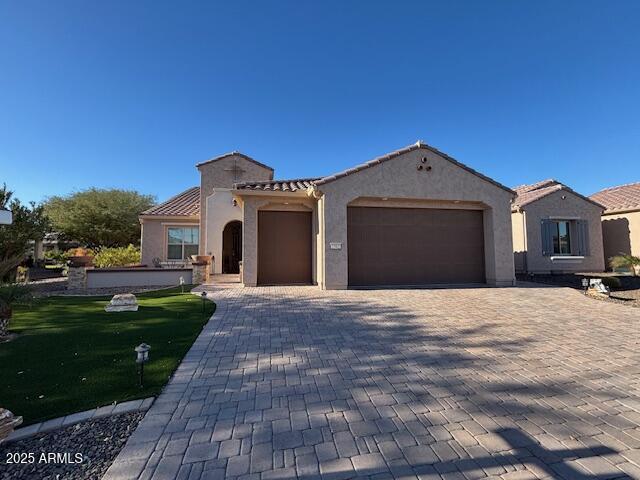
x,y
409,246
284,248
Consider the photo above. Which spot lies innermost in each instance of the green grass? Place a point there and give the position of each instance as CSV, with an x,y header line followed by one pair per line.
x,y
71,355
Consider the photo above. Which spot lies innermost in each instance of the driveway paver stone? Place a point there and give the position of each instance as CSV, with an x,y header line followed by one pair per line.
x,y
294,382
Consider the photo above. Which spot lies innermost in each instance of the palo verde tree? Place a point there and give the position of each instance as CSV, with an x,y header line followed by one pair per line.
x,y
99,217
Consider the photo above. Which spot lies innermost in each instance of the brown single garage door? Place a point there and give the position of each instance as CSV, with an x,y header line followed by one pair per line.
x,y
284,248
414,246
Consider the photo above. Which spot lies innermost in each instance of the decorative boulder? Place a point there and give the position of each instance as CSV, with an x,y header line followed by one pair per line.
x,y
124,302
597,287
8,422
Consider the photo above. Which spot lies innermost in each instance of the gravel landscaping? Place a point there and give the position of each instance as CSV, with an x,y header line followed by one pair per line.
x,y
90,446
628,293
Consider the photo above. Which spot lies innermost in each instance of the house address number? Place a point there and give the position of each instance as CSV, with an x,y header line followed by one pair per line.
x,y
335,245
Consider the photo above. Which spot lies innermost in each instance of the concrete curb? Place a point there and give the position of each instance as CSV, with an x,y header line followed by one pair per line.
x,y
60,422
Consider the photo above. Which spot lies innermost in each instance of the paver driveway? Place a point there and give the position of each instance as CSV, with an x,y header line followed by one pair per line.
x,y
289,382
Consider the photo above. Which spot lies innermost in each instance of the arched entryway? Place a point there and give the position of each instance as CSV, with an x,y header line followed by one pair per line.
x,y
232,247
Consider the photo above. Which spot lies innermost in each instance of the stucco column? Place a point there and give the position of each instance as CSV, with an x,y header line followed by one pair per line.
x,y
336,274
499,264
249,242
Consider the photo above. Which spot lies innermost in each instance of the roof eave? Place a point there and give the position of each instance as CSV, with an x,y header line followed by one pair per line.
x,y
240,192
617,211
143,217
234,154
561,187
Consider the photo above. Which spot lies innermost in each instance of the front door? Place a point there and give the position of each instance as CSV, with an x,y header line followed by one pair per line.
x,y
232,247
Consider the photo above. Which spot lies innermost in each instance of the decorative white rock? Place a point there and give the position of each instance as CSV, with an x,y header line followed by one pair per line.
x,y
8,422
124,302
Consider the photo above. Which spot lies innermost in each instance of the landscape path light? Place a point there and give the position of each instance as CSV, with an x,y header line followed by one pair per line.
x,y
142,357
203,295
182,284
585,284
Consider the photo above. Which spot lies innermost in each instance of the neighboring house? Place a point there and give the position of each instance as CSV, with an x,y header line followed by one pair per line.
x,y
620,220
412,217
555,230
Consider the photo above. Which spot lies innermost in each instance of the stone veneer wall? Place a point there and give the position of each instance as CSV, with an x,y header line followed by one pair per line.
x,y
200,273
77,278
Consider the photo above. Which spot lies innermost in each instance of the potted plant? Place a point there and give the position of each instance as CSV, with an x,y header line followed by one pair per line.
x,y
81,257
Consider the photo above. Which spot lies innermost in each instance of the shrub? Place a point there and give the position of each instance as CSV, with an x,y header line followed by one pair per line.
x,y
611,282
10,295
22,274
56,256
117,256
625,262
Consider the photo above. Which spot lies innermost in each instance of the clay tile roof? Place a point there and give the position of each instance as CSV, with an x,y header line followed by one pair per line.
x,y
278,185
418,145
620,198
527,194
186,204
235,153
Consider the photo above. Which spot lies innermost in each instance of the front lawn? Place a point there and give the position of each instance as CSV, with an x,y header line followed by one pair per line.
x,y
71,355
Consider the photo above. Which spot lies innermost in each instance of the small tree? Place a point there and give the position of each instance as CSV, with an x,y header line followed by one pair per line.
x,y
625,261
29,223
97,217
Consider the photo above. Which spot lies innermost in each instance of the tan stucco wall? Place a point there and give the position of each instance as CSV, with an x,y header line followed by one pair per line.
x,y
218,174
153,237
519,240
621,233
251,205
399,178
572,207
220,211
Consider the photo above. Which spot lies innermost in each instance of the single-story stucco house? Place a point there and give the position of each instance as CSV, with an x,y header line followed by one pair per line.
x,y
555,230
620,219
414,216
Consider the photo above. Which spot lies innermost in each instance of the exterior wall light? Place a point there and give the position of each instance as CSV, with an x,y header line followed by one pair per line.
x,y
142,357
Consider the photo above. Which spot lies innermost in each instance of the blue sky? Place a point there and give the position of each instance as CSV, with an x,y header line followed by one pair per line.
x,y
134,94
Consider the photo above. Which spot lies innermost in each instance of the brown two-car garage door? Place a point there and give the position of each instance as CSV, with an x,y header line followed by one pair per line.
x,y
414,246
284,248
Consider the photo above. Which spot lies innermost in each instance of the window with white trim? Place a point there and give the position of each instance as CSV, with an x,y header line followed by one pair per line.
x,y
182,242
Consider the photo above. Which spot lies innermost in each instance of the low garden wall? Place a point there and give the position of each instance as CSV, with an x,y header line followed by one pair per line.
x,y
136,277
